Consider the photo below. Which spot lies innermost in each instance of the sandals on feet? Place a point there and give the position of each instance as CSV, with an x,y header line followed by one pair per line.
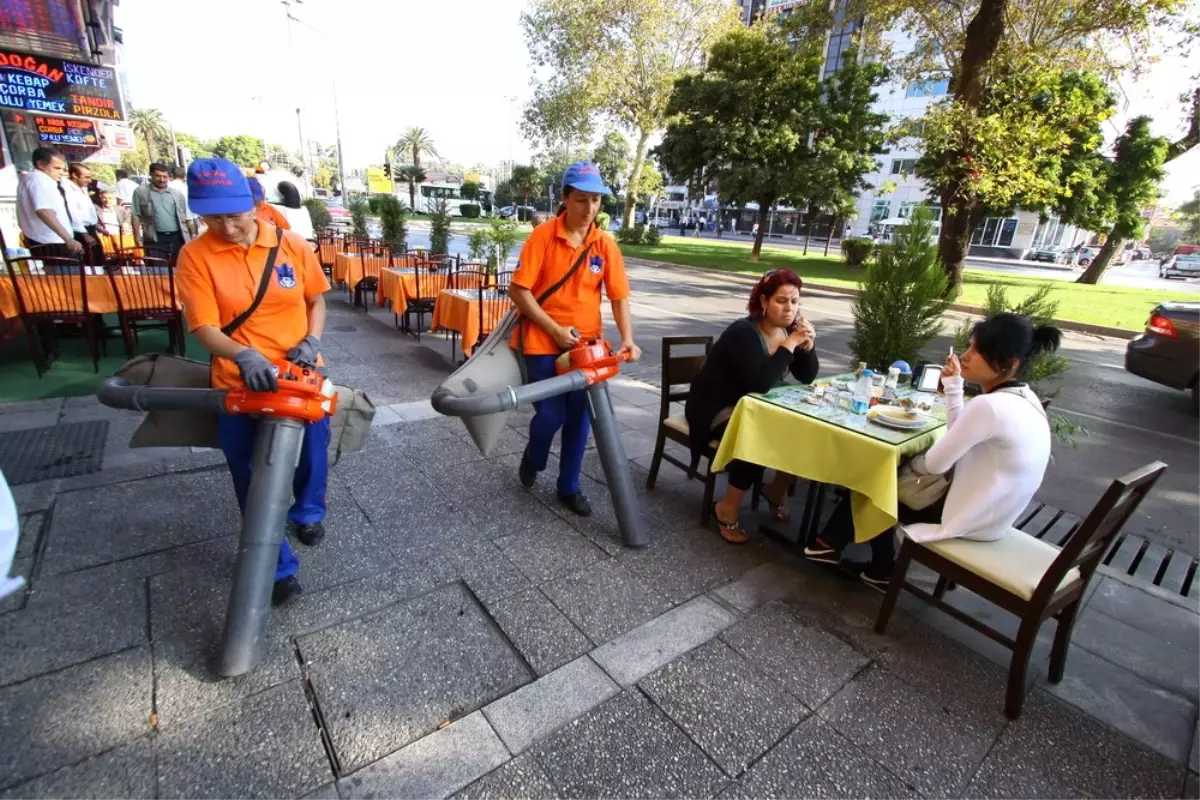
x,y
730,531
779,511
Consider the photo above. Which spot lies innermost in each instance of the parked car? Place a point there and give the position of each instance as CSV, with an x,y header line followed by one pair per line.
x,y
1168,352
1055,255
1184,263
338,215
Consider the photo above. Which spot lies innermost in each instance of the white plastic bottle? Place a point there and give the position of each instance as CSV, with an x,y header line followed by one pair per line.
x,y
862,394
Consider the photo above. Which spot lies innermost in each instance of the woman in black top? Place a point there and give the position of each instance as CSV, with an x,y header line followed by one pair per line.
x,y
752,355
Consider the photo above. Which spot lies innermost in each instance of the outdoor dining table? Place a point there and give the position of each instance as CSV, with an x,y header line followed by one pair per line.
x,y
781,430
458,310
100,296
348,268
124,243
399,284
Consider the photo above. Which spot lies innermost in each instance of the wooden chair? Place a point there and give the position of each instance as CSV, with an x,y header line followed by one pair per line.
x,y
494,303
468,275
1026,576
142,304
369,253
679,371
329,244
428,278
52,292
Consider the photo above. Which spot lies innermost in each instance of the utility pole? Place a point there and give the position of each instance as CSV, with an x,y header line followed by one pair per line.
x,y
337,125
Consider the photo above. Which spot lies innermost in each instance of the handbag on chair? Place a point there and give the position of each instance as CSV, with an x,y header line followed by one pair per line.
x,y
918,489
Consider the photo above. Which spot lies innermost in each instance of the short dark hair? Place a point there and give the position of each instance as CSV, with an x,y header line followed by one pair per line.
x,y
121,173
179,172
1003,339
44,155
158,166
768,285
77,168
289,194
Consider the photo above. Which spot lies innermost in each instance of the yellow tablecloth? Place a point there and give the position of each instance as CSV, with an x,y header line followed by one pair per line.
x,y
776,437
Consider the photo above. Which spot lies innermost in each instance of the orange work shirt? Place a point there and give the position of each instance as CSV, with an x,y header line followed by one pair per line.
x,y
218,280
546,257
265,212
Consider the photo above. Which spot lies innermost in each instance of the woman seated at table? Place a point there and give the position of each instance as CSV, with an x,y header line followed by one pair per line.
x,y
998,446
752,355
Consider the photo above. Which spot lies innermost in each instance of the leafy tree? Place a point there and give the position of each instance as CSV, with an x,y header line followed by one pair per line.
x,y
469,190
504,195
648,185
391,220
318,212
244,150
901,300
525,182
477,244
981,42
611,157
439,229
1162,239
1132,184
646,45
416,142
412,175
1189,215
149,124
198,148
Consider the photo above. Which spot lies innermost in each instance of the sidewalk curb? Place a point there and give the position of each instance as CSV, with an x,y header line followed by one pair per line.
x,y
1064,324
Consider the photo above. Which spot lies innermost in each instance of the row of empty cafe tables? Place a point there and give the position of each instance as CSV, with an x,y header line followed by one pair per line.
x,y
785,430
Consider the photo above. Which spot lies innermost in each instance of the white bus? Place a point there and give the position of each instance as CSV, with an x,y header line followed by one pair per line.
x,y
430,193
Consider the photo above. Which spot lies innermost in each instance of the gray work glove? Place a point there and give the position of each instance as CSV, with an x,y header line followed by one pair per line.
x,y
305,353
257,372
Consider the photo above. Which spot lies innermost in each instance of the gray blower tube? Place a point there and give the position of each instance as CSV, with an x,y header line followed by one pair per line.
x,y
604,427
117,392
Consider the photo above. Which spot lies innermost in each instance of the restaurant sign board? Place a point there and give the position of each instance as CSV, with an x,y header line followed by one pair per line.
x,y
57,86
64,130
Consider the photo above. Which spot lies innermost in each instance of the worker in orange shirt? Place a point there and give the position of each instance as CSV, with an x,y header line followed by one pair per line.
x,y
569,249
219,274
265,211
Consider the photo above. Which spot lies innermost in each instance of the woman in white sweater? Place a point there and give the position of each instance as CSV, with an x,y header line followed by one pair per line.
x,y
998,446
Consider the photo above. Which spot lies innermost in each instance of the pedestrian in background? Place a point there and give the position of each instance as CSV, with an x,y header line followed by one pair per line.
x,y
160,217
125,188
289,205
82,212
42,207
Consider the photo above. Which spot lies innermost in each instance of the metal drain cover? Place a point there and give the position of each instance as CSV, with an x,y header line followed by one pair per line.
x,y
60,451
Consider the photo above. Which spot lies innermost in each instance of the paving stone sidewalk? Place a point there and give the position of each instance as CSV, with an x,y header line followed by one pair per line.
x,y
459,635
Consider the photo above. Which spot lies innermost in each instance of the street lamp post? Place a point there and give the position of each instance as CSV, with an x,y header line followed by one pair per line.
x,y
337,125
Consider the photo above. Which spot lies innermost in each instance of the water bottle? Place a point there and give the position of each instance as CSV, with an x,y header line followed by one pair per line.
x,y
862,394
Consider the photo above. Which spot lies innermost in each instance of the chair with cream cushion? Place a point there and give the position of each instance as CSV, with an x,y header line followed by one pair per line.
x,y
1028,577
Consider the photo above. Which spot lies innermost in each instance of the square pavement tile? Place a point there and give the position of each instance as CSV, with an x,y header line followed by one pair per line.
x,y
1148,714
605,600
926,746
88,617
683,564
542,633
816,761
1171,666
627,748
793,648
96,526
386,679
65,717
1179,627
546,553
127,771
267,746
522,778
724,705
507,512
1055,750
486,570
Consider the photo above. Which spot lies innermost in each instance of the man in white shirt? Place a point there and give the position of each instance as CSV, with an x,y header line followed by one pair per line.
x,y
179,184
125,188
42,207
83,212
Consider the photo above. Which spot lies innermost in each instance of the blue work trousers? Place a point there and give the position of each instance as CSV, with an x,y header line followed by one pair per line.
x,y
566,411
237,434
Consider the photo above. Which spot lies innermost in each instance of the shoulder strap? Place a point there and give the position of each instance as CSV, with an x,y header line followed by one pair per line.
x,y
561,281
262,289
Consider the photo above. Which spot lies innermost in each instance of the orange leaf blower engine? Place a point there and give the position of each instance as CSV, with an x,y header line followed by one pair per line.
x,y
303,394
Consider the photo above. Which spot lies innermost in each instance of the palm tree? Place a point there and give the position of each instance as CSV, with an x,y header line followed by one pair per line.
x,y
148,123
413,175
416,141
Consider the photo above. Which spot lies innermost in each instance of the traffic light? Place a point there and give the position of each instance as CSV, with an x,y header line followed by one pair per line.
x,y
387,169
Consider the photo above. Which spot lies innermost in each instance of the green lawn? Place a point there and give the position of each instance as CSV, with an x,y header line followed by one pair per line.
x,y
1115,306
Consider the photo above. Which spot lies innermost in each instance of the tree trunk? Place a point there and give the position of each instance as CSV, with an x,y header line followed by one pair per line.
x,y
808,223
412,197
984,33
954,240
150,146
764,211
639,158
837,224
1095,270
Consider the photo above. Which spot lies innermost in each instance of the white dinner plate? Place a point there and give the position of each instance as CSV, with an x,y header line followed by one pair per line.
x,y
894,417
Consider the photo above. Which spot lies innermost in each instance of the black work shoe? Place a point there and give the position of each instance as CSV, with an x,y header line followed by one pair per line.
x,y
309,534
527,472
821,553
285,590
876,578
576,502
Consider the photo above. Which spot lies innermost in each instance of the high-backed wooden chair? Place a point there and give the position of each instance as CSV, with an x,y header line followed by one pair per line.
x,y
1026,576
52,292
146,300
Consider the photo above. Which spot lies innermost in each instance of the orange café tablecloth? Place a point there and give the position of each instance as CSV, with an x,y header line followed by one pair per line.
x,y
458,310
402,286
125,243
101,299
348,268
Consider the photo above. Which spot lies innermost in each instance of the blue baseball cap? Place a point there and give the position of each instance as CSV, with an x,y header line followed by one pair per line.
x,y
257,191
584,176
217,186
